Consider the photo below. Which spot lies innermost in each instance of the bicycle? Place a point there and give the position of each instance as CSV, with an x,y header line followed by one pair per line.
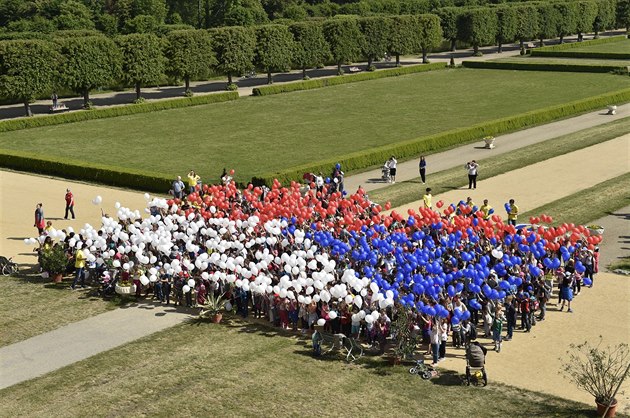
x,y
8,266
424,371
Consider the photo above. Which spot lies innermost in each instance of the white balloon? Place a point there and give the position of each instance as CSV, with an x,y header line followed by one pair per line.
x,y
191,282
186,288
321,322
126,266
144,280
116,263
332,315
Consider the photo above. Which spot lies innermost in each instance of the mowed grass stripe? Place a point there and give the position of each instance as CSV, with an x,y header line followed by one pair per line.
x,y
267,134
444,181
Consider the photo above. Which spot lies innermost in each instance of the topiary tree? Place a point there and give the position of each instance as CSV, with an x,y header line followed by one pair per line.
x,y
567,24
311,48
234,47
274,48
547,21
478,27
87,63
74,15
605,18
507,24
27,70
376,33
449,17
345,40
527,27
142,59
585,17
189,54
430,34
404,36
623,14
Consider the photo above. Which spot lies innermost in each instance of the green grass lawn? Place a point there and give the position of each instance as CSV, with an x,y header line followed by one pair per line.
x,y
260,135
240,369
558,60
621,47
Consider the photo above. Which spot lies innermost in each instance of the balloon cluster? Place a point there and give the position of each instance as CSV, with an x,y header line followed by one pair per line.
x,y
310,246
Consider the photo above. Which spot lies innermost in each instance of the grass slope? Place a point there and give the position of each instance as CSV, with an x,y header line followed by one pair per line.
x,y
242,369
259,135
621,47
559,60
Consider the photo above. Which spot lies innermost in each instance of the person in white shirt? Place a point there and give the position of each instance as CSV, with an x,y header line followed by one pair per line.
x,y
392,163
472,167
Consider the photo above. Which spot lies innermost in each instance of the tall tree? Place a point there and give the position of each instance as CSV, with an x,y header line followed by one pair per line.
x,y
87,63
345,40
547,21
311,48
142,59
568,19
27,70
274,48
74,15
449,16
527,28
507,20
430,33
404,36
234,47
585,17
375,31
623,14
605,18
478,26
189,54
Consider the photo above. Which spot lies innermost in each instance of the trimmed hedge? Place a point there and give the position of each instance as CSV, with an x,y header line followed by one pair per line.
x,y
73,169
114,111
532,66
351,78
565,50
572,45
424,145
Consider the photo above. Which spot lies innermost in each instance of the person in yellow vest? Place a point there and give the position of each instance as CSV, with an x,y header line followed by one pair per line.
x,y
427,198
470,202
193,179
513,213
486,209
79,265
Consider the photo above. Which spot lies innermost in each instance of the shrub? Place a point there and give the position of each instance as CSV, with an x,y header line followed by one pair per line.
x,y
111,112
352,78
533,66
564,50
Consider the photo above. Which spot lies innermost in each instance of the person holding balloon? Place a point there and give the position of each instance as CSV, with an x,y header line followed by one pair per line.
x,y
512,211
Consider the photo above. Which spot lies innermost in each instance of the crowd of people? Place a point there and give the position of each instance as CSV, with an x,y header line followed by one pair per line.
x,y
307,255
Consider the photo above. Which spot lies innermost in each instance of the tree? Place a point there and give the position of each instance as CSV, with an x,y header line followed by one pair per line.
x,y
548,17
311,48
585,17
234,49
605,18
507,21
376,34
27,70
430,34
87,63
404,36
142,59
478,26
345,40
567,24
527,27
274,48
449,17
74,15
237,13
623,14
189,54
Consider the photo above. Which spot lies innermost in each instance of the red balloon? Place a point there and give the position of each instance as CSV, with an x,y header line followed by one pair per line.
x,y
439,204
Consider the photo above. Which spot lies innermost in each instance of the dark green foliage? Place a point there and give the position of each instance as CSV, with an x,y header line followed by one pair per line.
x,y
507,25
142,59
376,32
605,18
623,14
87,63
74,15
478,27
189,54
404,37
586,14
528,26
27,70
568,22
548,17
345,40
234,48
311,48
526,66
449,17
274,48
430,34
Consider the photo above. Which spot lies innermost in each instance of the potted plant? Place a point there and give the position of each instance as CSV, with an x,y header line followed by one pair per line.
x,y
54,261
125,287
213,307
489,140
596,229
599,371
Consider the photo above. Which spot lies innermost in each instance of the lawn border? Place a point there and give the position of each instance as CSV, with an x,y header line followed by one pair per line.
x,y
564,50
531,66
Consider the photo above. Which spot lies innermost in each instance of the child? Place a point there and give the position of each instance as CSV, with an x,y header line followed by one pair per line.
x,y
497,328
317,343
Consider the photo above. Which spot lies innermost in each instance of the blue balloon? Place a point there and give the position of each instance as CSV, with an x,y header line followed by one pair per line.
x,y
337,166
588,282
455,320
451,291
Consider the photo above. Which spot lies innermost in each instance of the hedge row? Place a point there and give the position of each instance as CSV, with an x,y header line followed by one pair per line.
x,y
573,45
114,111
532,66
73,169
352,78
580,54
432,143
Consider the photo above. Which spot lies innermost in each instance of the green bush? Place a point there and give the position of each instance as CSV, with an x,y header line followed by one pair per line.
x,y
533,66
72,169
572,45
414,147
351,78
111,112
565,50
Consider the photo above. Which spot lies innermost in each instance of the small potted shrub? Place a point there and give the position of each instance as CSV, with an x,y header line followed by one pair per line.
x,y
596,229
54,261
125,287
599,371
213,307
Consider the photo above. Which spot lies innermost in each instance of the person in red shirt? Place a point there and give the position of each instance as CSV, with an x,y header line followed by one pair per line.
x,y
69,204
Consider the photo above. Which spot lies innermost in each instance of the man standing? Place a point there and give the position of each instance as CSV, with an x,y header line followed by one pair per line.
x,y
79,265
486,209
392,164
178,188
422,167
427,199
512,213
472,167
69,204
193,179
40,222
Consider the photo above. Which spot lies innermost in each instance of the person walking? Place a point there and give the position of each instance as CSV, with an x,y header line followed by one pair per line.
x,y
422,167
55,100
392,163
472,168
69,204
512,213
427,198
178,188
79,265
40,221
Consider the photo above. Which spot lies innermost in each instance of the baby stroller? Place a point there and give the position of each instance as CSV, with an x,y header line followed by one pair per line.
x,y
107,284
385,174
476,364
423,370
